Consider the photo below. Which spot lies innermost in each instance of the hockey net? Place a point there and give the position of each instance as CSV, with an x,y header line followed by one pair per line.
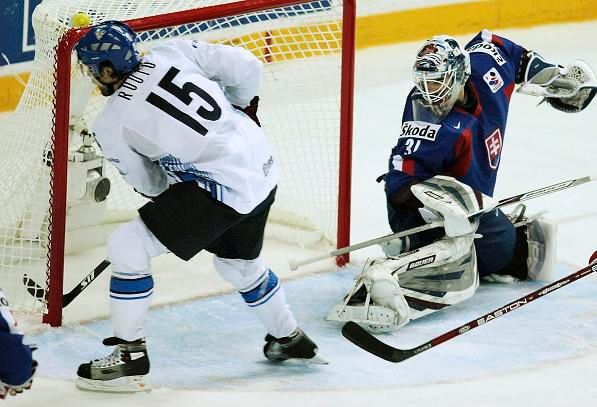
x,y
54,185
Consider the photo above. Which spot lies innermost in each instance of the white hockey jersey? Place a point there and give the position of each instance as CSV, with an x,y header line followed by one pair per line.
x,y
173,121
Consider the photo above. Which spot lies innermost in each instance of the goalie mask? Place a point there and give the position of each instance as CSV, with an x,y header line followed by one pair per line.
x,y
109,52
440,71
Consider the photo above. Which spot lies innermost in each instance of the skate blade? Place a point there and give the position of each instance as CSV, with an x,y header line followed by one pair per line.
x,y
315,360
128,384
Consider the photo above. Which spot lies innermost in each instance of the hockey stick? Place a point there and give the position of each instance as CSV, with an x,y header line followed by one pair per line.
x,y
36,291
295,264
363,339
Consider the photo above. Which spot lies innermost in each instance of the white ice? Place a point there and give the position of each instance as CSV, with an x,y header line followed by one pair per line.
x,y
207,352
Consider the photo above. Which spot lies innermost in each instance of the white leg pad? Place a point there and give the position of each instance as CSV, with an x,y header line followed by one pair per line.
x,y
385,291
433,277
542,243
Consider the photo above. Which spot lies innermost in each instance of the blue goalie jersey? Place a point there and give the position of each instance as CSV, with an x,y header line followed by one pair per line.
x,y
466,145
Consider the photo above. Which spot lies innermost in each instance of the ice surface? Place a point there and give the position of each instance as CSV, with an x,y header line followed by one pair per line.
x,y
215,344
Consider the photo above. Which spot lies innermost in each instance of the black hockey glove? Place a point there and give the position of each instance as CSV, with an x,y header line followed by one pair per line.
x,y
251,110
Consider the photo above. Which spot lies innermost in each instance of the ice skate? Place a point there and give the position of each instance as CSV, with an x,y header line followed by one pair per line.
x,y
125,370
296,347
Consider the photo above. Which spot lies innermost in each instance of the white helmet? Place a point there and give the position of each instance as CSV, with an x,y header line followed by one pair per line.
x,y
440,72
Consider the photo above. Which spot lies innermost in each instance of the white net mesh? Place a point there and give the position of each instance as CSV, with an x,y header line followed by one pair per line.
x,y
299,111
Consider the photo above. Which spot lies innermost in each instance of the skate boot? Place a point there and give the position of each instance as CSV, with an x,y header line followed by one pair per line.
x,y
125,370
295,347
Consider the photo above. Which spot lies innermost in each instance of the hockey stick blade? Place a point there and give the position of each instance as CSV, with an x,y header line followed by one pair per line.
x,y
33,288
39,293
366,341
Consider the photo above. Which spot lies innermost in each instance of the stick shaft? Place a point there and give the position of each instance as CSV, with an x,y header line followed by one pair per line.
x,y
366,341
294,264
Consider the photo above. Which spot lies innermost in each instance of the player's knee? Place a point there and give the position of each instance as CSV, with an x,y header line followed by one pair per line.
x,y
252,278
238,272
495,250
126,250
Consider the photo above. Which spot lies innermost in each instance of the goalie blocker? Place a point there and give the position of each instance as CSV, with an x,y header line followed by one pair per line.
x,y
404,286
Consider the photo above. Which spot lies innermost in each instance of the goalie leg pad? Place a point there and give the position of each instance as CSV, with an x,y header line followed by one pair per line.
x,y
432,288
542,243
374,318
391,292
535,251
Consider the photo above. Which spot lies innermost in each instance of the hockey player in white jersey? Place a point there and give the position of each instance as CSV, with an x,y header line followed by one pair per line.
x,y
181,127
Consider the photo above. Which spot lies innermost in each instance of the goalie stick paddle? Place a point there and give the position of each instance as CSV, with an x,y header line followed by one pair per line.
x,y
364,340
295,264
36,291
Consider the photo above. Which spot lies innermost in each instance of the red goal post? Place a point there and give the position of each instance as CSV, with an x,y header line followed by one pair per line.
x,y
60,136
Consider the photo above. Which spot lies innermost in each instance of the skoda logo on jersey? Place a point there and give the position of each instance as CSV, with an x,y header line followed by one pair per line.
x,y
490,49
493,145
422,130
494,80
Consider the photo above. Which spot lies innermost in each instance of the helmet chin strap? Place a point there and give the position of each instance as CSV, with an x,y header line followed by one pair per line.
x,y
108,89
462,96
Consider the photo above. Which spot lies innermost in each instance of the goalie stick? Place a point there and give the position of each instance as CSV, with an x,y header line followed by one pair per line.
x,y
295,264
363,339
36,291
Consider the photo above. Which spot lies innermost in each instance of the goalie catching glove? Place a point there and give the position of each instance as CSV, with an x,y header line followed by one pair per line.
x,y
568,89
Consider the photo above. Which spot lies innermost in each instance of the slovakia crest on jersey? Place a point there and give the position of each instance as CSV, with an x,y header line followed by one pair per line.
x,y
493,145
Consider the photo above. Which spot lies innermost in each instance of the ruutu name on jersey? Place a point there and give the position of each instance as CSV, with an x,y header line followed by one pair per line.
x,y
134,79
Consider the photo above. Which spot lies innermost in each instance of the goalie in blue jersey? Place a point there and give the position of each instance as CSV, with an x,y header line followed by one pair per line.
x,y
444,167
16,363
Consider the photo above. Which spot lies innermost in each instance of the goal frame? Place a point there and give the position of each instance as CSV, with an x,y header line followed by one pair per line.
x,y
58,200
